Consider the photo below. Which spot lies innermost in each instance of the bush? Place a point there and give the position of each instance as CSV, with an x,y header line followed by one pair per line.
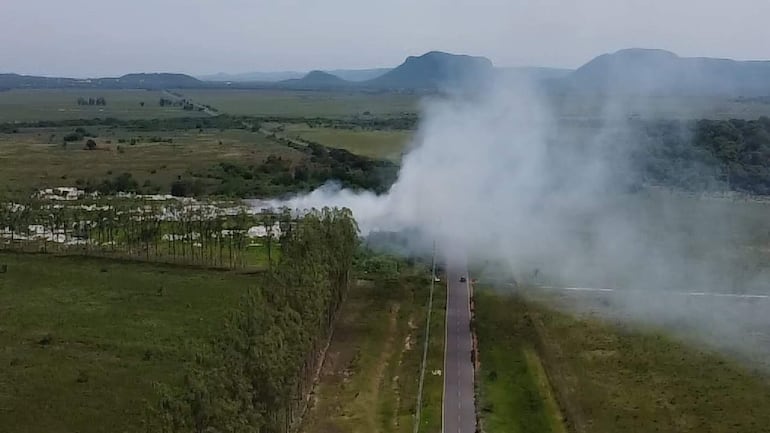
x,y
73,136
186,188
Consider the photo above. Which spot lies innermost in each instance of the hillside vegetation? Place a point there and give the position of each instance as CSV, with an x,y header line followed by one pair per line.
x,y
700,155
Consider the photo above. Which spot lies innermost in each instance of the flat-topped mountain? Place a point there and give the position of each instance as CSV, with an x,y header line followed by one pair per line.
x,y
433,70
649,71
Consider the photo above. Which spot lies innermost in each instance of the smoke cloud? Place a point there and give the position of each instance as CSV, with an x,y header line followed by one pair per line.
x,y
502,177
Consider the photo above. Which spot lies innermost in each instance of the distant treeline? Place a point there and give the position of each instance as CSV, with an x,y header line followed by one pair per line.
x,y
178,123
92,101
222,121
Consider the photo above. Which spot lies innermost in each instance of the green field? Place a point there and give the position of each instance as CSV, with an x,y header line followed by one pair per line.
x,y
304,103
609,377
433,387
36,158
82,341
515,394
370,377
378,144
31,105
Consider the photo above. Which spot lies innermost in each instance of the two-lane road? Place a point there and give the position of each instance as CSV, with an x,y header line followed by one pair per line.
x,y
459,412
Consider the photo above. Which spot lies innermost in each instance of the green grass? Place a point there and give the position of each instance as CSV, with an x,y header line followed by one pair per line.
x,y
83,340
515,394
34,159
378,144
61,104
611,377
433,387
370,377
304,103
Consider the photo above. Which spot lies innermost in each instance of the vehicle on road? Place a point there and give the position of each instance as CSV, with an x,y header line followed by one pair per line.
x,y
462,279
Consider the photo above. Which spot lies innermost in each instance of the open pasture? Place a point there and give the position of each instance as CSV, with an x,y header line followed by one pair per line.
x,y
377,144
29,105
37,158
264,102
82,341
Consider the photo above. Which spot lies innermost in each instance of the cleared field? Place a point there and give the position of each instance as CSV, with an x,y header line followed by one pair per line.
x,y
370,377
304,103
61,104
82,341
36,158
378,144
609,377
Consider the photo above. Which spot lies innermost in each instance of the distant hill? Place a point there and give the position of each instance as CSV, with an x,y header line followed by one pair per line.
x,y
129,81
630,71
345,74
157,81
253,76
649,71
15,81
433,70
315,80
359,74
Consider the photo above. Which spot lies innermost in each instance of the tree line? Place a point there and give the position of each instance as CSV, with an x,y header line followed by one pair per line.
x,y
92,101
195,233
184,103
256,374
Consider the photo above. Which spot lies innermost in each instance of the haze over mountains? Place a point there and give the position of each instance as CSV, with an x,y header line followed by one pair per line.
x,y
345,74
630,71
646,71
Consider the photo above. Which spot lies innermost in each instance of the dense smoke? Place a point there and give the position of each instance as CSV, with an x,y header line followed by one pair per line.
x,y
552,201
501,175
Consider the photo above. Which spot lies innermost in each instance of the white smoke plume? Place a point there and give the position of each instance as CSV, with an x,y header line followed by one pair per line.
x,y
501,176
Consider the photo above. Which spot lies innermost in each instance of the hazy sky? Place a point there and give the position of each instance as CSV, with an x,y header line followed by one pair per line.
x,y
112,37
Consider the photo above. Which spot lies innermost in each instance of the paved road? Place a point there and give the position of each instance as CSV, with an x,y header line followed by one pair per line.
x,y
459,413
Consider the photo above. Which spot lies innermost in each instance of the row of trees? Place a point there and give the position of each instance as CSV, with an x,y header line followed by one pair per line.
x,y
196,233
92,101
257,373
184,103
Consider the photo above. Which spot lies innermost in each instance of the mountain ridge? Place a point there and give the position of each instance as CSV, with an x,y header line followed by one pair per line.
x,y
627,71
656,71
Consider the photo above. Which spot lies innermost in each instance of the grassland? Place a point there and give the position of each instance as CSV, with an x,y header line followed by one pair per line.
x,y
378,144
304,103
608,377
433,387
83,340
370,378
515,393
36,158
61,104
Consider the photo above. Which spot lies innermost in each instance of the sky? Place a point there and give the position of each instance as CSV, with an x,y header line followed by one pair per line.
x,y
88,38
